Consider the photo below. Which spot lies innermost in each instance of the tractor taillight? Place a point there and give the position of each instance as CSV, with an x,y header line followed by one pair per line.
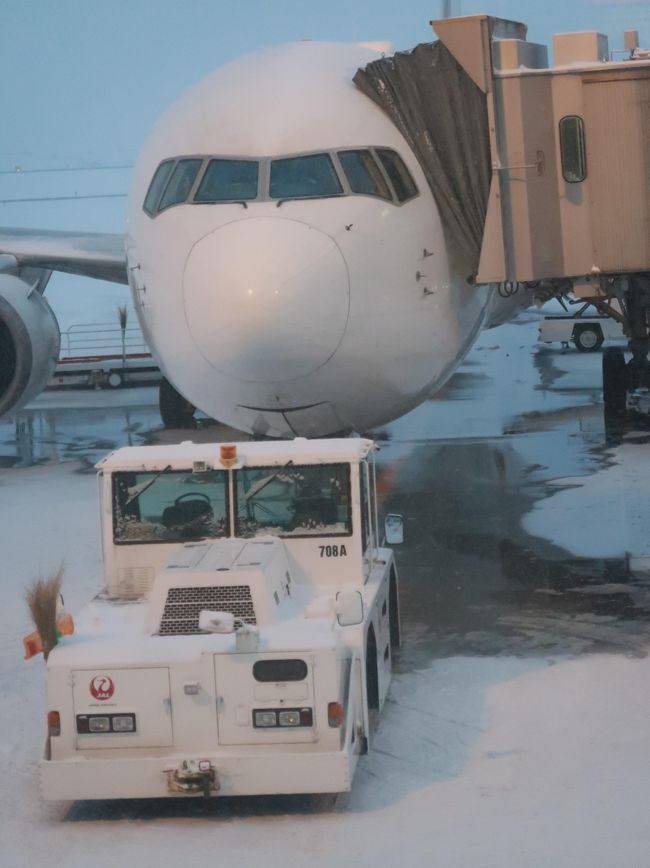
x,y
53,723
335,714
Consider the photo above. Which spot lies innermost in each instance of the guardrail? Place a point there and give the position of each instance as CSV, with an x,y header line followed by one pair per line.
x,y
99,340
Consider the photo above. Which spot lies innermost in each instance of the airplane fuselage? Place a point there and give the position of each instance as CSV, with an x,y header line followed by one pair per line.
x,y
310,313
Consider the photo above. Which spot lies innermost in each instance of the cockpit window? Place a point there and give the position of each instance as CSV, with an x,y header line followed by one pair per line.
x,y
363,174
364,171
180,183
157,185
228,180
398,174
303,177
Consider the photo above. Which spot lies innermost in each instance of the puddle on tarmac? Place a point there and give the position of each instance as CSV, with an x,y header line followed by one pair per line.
x,y
36,436
474,582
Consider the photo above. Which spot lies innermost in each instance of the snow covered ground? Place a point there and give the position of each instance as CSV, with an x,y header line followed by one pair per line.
x,y
541,760
477,761
604,514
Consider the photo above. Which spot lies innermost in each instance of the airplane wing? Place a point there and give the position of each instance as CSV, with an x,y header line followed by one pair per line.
x,y
94,254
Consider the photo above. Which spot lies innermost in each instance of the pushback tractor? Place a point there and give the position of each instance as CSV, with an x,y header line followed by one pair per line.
x,y
243,641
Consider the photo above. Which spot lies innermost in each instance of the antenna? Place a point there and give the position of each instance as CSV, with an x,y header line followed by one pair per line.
x,y
450,8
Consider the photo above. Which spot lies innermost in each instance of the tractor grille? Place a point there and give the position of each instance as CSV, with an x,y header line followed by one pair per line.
x,y
183,605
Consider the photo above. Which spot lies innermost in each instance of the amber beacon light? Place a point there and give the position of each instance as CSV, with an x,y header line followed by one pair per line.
x,y
228,455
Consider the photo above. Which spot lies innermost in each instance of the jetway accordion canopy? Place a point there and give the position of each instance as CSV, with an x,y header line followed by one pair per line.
x,y
442,114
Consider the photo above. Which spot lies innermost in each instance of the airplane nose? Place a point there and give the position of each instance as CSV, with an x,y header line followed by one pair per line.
x,y
266,299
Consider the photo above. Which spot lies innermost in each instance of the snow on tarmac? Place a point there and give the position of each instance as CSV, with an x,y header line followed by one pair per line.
x,y
603,514
484,761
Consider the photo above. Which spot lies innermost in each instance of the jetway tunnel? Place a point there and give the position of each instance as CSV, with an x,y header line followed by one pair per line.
x,y
540,172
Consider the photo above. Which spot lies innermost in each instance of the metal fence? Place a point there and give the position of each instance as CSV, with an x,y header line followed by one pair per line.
x,y
99,340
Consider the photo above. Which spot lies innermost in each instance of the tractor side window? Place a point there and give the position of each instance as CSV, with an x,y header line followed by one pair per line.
x,y
180,183
157,186
293,501
169,506
363,174
398,174
365,506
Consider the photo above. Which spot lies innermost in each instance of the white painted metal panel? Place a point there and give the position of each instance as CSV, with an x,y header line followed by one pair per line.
x,y
240,774
617,124
238,693
143,692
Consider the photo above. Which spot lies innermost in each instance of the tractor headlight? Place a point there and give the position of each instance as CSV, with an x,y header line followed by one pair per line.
x,y
105,723
276,717
123,723
265,718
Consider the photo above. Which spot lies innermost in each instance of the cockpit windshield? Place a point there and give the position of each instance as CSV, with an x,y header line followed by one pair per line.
x,y
169,506
302,177
305,500
157,186
228,181
376,172
363,174
180,183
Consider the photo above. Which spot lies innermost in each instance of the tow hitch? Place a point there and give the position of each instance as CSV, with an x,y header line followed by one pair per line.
x,y
193,777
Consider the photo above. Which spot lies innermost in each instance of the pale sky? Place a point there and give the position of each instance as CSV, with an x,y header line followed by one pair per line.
x,y
85,79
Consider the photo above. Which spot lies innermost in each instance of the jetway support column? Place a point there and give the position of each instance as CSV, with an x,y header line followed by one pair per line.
x,y
637,303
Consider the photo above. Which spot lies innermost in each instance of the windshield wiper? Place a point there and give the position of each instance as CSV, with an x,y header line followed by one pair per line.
x,y
147,486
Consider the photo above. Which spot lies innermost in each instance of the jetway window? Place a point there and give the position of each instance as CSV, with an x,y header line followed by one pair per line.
x,y
572,149
304,177
157,186
363,174
228,181
180,183
398,174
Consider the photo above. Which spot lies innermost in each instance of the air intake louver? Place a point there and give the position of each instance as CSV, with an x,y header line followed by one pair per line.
x,y
182,607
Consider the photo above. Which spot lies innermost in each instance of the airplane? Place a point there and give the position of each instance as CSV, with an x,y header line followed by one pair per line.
x,y
284,252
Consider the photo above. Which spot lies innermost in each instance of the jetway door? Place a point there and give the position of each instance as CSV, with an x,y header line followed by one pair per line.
x,y
617,133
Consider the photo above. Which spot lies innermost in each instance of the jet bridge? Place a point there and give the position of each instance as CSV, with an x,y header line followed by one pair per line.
x,y
551,162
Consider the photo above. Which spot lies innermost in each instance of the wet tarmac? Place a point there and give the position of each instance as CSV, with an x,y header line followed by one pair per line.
x,y
463,469
473,581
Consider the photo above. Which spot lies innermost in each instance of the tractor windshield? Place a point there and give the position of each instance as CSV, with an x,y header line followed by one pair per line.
x,y
294,500
169,506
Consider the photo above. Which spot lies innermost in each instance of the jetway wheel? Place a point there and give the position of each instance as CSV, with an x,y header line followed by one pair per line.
x,y
615,382
175,410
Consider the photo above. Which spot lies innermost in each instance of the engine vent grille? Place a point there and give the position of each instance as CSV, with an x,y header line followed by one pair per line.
x,y
183,605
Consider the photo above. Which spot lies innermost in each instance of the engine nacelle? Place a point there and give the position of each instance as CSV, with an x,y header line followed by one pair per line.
x,y
29,342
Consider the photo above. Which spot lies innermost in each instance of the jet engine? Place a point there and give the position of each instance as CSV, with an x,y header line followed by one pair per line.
x,y
29,342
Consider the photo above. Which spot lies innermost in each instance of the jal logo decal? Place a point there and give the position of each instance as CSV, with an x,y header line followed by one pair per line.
x,y
102,687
